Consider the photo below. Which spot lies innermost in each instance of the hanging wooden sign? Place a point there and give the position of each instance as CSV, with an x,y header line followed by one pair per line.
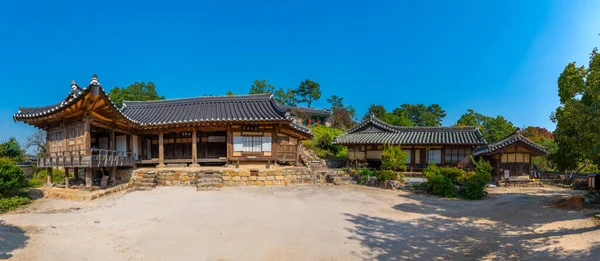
x,y
250,127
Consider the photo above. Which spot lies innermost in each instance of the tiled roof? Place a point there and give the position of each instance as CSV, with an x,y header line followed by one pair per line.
x,y
257,107
244,108
515,137
383,133
320,112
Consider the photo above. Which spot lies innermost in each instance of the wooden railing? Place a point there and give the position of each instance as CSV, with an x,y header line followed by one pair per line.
x,y
86,158
287,152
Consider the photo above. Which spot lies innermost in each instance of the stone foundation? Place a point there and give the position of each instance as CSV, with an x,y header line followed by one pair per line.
x,y
244,177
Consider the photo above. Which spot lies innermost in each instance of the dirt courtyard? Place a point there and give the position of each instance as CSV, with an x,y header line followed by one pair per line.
x,y
300,223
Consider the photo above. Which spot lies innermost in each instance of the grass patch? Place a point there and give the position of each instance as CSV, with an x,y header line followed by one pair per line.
x,y
9,204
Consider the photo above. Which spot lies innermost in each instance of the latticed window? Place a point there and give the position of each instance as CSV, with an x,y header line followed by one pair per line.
x,y
457,155
434,156
252,143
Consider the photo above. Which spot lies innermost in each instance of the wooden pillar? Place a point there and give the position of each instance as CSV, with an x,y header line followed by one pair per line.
x,y
443,159
161,151
49,177
66,177
113,175
413,154
194,148
274,144
88,177
111,139
87,140
229,142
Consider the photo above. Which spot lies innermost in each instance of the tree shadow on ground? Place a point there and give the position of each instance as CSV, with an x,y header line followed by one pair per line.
x,y
11,238
495,229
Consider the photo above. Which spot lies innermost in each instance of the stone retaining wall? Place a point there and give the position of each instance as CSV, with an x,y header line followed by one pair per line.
x,y
244,177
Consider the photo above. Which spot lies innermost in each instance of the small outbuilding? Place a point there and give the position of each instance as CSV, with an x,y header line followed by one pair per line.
x,y
510,156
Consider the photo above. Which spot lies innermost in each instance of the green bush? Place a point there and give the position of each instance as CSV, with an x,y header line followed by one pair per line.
x,y
322,140
11,178
439,184
458,176
476,183
386,175
364,174
11,149
394,158
8,204
58,176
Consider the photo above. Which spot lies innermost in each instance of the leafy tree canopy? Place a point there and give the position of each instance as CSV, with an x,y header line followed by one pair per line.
x,y
390,118
421,115
261,86
342,117
138,91
11,149
493,129
308,91
577,119
285,97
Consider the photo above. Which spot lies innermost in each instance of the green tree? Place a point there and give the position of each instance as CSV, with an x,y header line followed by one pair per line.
x,y
543,137
390,118
261,86
285,97
11,149
471,118
336,102
422,115
394,158
377,110
493,129
11,178
308,91
577,118
231,93
342,117
138,91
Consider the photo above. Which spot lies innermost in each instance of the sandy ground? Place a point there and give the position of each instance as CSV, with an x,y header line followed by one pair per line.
x,y
300,223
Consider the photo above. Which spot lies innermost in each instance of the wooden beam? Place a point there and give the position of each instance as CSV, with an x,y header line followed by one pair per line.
x,y
161,151
194,149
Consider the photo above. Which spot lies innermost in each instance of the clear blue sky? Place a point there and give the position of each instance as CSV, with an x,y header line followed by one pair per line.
x,y
497,57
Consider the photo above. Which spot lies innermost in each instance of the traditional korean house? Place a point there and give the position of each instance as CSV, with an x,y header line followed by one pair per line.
x,y
87,131
445,146
510,156
308,117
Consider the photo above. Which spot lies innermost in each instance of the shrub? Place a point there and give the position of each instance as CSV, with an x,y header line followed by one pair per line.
x,y
364,174
8,204
11,149
439,184
455,174
11,178
393,158
386,175
58,176
322,140
476,183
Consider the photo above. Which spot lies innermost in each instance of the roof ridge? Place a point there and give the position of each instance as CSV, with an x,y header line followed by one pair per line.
x,y
253,97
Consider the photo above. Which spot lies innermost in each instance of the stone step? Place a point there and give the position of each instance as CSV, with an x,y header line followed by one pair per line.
x,y
177,165
148,180
208,184
143,188
210,180
147,184
208,175
208,189
149,176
